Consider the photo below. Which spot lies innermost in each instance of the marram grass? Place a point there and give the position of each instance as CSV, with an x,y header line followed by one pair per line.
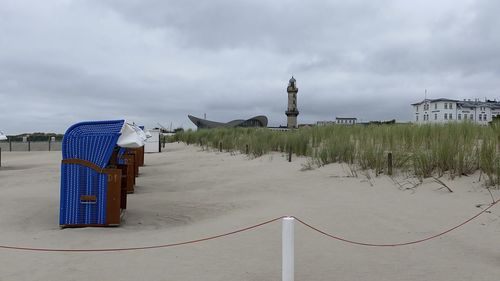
x,y
424,150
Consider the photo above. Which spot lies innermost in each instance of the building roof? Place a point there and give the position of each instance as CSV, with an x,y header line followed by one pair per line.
x,y
465,103
434,100
257,121
345,118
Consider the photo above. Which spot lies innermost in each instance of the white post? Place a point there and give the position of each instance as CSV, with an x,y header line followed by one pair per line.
x,y
288,251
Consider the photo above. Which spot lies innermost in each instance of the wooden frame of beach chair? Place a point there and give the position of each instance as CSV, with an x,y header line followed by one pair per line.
x,y
91,188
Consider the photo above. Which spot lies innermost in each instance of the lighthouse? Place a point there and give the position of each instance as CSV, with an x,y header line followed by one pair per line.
x,y
292,111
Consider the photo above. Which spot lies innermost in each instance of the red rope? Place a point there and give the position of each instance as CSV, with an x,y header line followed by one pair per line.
x,y
246,229
395,244
142,248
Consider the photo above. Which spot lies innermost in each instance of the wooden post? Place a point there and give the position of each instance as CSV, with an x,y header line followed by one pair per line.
x,y
159,142
10,144
29,144
49,143
246,149
290,154
220,146
0,157
287,255
389,163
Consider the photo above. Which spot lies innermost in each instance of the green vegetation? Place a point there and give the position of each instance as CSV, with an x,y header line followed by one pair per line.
x,y
36,137
422,150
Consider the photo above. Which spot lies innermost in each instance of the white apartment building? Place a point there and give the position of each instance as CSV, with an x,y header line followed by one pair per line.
x,y
346,121
448,110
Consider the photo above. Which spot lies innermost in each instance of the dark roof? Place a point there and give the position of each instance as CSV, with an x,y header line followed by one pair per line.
x,y
257,121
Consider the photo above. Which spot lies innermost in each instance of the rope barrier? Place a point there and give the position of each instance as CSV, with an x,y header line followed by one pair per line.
x,y
395,244
144,247
247,229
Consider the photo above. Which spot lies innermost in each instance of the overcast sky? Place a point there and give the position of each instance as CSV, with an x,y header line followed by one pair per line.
x,y
149,61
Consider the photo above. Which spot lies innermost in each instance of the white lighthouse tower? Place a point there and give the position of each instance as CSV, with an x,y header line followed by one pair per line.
x,y
292,111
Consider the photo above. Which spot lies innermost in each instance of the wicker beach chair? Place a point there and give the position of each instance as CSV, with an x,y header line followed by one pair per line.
x,y
90,189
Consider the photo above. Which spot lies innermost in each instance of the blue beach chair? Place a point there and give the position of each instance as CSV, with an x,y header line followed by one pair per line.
x,y
90,191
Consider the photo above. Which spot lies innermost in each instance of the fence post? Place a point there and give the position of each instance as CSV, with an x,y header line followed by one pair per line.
x,y
10,144
220,146
246,149
159,142
290,154
49,143
389,163
0,157
288,271
29,144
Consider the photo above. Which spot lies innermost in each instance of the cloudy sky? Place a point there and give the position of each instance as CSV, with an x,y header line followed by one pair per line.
x,y
149,61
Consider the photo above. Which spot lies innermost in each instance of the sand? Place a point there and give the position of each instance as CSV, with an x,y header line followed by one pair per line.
x,y
185,193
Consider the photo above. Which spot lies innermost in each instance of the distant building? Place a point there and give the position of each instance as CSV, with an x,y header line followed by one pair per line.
x,y
444,110
257,121
325,123
292,111
346,120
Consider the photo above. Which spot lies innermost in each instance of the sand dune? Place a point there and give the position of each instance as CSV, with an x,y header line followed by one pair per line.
x,y
185,193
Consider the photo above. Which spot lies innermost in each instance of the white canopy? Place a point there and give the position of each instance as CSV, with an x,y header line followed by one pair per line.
x,y
2,136
131,136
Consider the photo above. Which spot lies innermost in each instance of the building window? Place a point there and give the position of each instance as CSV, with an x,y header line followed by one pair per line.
x,y
451,105
417,107
465,116
451,116
480,117
446,115
445,105
471,117
459,116
435,116
435,106
416,118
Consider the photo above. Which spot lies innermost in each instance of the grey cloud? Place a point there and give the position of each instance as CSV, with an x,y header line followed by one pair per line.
x,y
157,61
282,25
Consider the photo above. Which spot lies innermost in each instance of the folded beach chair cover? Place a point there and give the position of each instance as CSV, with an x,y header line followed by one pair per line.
x,y
141,133
91,143
131,136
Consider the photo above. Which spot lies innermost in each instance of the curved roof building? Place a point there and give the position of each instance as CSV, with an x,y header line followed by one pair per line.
x,y
257,121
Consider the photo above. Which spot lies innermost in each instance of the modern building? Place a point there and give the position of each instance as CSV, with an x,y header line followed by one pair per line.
x,y
292,111
444,110
257,121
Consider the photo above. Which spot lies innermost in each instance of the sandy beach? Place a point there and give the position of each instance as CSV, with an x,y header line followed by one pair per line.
x,y
185,193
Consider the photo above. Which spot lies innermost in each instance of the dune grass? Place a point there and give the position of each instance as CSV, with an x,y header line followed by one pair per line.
x,y
424,150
